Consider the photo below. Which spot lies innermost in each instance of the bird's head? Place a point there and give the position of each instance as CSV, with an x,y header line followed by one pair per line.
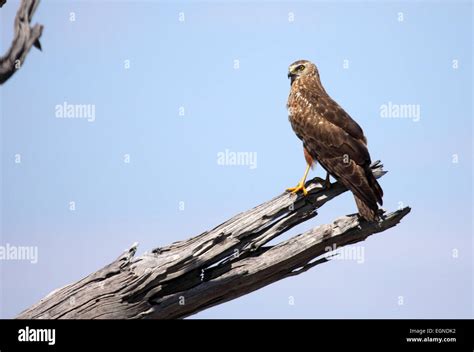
x,y
301,68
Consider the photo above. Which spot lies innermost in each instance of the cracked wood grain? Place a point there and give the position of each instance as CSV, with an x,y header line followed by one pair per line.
x,y
216,266
24,38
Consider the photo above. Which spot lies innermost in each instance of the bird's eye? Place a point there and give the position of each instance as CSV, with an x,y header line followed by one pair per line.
x,y
300,68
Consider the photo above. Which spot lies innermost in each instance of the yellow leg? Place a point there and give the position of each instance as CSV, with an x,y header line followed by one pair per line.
x,y
300,186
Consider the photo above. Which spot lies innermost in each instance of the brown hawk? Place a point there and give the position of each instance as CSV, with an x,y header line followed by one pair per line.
x,y
332,138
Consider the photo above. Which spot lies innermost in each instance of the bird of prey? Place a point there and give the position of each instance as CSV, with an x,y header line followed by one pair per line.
x,y
332,138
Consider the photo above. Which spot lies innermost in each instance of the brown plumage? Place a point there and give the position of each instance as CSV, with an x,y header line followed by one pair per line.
x,y
307,156
331,137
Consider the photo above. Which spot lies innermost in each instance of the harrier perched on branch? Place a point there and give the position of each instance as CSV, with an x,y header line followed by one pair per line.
x,y
332,138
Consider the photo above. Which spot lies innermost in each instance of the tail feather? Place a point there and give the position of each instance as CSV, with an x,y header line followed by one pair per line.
x,y
360,180
370,210
369,213
374,185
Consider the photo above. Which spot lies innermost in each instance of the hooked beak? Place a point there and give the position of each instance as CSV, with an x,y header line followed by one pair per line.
x,y
292,76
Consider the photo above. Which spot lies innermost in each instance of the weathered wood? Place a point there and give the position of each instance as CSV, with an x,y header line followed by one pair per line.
x,y
24,38
219,265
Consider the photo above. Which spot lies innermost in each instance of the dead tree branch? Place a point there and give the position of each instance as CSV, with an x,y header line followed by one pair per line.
x,y
217,266
24,38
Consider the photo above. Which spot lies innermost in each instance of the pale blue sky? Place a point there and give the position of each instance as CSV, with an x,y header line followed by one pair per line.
x,y
173,158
